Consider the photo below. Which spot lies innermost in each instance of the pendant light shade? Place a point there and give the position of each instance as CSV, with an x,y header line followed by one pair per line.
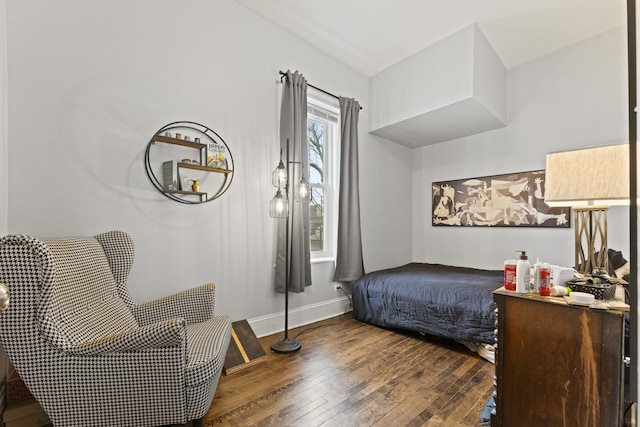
x,y
302,190
279,176
279,206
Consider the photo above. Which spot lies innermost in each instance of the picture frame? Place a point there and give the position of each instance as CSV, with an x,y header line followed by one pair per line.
x,y
507,200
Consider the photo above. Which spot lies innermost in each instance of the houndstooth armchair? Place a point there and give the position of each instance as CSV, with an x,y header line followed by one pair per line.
x,y
88,353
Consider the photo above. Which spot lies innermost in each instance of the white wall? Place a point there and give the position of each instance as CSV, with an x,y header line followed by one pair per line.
x,y
91,82
4,161
571,98
432,78
450,89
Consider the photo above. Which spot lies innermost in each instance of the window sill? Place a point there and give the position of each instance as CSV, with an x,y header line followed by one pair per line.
x,y
322,260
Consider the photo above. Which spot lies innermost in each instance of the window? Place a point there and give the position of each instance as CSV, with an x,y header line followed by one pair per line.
x,y
323,122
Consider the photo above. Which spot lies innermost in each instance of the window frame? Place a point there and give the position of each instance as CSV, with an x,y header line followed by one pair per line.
x,y
331,165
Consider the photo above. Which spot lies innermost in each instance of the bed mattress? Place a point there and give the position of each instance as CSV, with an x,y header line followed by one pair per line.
x,y
442,300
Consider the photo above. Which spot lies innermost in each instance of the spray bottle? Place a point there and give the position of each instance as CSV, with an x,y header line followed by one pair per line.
x,y
523,272
536,276
545,280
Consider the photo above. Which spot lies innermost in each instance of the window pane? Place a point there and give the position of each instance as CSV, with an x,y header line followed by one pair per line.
x,y
322,135
316,219
316,133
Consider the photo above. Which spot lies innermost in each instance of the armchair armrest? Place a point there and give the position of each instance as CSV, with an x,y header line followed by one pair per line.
x,y
194,305
170,333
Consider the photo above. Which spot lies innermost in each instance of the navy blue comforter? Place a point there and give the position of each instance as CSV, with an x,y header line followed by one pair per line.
x,y
435,299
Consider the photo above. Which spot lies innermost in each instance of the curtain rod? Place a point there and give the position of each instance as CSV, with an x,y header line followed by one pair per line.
x,y
283,75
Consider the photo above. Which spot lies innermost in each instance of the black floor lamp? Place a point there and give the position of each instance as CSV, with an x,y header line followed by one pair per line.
x,y
279,208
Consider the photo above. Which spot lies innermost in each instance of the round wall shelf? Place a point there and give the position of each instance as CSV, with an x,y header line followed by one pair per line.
x,y
189,163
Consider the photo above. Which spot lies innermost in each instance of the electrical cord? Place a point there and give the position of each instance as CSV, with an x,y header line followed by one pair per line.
x,y
311,328
345,315
350,307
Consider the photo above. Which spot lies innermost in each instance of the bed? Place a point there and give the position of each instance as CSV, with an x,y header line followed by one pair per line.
x,y
441,300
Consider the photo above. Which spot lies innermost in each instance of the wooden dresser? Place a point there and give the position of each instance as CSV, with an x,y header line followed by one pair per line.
x,y
557,364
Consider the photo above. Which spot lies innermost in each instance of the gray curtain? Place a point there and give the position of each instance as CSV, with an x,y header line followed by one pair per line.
x,y
293,231
349,264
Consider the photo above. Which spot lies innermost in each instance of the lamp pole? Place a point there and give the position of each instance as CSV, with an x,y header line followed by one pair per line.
x,y
286,344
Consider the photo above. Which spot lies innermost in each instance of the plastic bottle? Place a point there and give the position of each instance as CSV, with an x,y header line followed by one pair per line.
x,y
536,276
510,274
545,280
523,272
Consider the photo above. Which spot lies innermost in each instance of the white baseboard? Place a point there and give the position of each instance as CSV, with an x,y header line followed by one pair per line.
x,y
274,323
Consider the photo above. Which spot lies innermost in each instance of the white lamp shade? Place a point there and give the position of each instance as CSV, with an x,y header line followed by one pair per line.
x,y
593,176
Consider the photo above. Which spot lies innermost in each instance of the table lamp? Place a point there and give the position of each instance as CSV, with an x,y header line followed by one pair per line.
x,y
590,181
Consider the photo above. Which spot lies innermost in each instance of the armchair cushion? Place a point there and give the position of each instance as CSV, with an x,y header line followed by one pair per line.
x,y
84,302
206,348
164,334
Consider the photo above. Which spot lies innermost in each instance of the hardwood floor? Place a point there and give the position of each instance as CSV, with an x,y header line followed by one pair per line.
x,y
352,374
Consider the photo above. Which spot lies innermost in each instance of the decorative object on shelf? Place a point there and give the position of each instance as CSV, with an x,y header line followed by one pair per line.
x,y
195,162
170,179
509,200
165,158
216,156
279,208
589,181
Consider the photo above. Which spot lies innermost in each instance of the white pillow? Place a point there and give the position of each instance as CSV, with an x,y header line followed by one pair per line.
x,y
623,271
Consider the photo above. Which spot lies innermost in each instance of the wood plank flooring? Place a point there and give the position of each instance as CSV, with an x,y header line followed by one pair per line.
x,y
349,373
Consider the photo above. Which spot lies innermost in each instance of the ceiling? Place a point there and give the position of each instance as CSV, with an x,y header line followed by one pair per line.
x,y
371,35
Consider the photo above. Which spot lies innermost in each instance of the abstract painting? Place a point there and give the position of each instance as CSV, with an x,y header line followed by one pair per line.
x,y
510,200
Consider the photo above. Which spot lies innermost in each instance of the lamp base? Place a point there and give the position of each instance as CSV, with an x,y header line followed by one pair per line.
x,y
591,238
286,345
